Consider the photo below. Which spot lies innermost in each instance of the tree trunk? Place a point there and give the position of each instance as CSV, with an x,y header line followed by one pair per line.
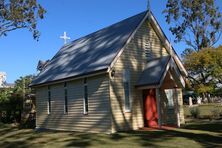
x,y
208,98
204,96
0,116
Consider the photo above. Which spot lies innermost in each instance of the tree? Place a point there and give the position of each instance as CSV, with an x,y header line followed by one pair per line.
x,y
5,94
22,85
17,14
25,93
12,99
198,23
10,105
205,70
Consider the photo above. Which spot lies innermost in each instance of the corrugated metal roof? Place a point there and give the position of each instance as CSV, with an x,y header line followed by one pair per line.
x,y
153,72
94,52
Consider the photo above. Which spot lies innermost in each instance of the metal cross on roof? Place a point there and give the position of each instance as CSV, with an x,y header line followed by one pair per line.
x,y
65,37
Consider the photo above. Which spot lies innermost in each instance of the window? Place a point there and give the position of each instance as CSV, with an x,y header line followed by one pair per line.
x,y
126,85
85,101
170,96
66,99
49,100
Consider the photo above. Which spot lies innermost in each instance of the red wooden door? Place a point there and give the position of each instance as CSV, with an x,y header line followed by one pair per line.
x,y
150,108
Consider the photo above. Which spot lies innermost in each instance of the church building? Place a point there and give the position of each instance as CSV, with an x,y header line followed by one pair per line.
x,y
124,77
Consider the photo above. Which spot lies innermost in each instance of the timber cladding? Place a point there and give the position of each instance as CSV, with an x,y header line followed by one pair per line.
x,y
134,58
98,117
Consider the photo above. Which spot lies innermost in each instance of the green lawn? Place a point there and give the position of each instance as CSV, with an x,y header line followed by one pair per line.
x,y
198,134
205,109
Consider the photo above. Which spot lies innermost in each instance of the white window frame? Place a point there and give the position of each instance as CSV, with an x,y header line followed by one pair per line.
x,y
126,79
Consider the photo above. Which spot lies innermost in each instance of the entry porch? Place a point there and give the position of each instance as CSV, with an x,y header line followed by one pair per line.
x,y
161,85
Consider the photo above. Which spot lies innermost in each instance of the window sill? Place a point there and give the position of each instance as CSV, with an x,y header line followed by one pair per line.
x,y
127,111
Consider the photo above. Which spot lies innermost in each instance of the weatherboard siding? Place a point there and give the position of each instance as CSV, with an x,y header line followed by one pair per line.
x,y
133,58
98,118
180,105
152,43
41,103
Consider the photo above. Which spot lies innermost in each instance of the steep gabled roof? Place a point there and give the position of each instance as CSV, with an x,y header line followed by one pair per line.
x,y
98,52
94,52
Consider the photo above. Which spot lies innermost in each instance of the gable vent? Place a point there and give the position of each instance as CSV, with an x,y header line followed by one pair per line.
x,y
147,50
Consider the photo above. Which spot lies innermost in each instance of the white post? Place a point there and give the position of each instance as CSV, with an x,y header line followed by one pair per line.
x,y
177,107
190,102
158,107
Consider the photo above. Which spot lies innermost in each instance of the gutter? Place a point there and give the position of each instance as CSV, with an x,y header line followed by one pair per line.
x,y
80,76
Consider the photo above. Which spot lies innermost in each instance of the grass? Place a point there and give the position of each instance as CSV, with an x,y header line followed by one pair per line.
x,y
205,109
196,134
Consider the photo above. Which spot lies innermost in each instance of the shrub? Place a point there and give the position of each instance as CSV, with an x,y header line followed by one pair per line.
x,y
215,113
195,112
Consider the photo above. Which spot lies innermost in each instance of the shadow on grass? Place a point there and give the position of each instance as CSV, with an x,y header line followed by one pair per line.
x,y
82,141
146,139
4,131
168,138
152,138
203,139
14,144
210,127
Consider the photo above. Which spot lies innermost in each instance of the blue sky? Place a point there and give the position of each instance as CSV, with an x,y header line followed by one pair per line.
x,y
20,53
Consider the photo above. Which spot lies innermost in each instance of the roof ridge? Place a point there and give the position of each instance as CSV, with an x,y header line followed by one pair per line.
x,y
88,35
107,27
90,53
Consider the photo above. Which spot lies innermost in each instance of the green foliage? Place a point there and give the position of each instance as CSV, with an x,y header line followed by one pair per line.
x,y
11,99
10,105
206,111
196,22
205,69
215,113
22,85
5,95
17,14
195,112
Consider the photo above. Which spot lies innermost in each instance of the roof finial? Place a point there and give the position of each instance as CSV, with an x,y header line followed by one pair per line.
x,y
148,8
148,5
